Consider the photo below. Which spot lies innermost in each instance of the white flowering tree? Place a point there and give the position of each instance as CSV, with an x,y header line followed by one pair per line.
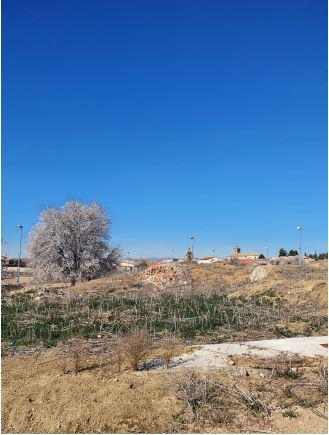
x,y
72,243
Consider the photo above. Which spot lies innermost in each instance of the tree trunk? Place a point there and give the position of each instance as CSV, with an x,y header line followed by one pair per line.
x,y
73,282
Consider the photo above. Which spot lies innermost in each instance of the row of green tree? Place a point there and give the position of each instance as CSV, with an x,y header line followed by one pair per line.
x,y
284,253
321,256
315,256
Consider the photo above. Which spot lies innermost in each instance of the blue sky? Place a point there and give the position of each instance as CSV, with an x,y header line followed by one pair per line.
x,y
179,117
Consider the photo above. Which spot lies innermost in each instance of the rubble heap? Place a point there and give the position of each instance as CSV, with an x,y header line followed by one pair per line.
x,y
166,275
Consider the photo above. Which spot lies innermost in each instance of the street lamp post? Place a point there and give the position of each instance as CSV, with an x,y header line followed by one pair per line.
x,y
266,247
20,251
299,228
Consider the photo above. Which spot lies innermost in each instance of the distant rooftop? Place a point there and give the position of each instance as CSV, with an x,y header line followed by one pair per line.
x,y
243,254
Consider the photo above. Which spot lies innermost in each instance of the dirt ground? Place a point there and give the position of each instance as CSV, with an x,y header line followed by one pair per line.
x,y
293,283
38,397
296,284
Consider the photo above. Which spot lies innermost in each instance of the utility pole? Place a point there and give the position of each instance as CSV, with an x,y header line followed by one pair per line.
x,y
20,251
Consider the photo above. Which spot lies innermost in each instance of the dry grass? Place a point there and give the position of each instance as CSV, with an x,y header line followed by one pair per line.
x,y
23,280
45,400
39,397
115,284
101,385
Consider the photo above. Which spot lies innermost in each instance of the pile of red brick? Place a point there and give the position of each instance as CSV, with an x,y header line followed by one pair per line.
x,y
165,275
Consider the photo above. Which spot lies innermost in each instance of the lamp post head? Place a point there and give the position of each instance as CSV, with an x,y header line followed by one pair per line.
x,y
20,226
299,228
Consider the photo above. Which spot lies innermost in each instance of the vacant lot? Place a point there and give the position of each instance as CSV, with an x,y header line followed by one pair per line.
x,y
99,357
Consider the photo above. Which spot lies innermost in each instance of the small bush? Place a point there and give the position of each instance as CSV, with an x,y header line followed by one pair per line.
x,y
168,348
287,367
134,347
117,353
210,399
322,369
252,402
75,354
193,390
289,413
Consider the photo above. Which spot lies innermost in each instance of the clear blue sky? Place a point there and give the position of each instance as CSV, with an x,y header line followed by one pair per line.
x,y
180,117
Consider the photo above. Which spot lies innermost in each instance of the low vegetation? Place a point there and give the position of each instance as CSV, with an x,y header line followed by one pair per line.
x,y
197,317
84,351
26,322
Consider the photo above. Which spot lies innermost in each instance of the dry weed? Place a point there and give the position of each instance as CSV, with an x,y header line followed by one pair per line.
x,y
254,403
169,347
192,390
134,347
74,356
322,369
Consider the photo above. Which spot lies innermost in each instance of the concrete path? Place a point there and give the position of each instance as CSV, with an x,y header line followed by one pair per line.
x,y
216,355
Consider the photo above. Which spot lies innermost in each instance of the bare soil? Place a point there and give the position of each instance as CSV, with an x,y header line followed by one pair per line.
x,y
42,394
38,397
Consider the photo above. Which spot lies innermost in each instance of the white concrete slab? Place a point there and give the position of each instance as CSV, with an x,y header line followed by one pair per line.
x,y
216,355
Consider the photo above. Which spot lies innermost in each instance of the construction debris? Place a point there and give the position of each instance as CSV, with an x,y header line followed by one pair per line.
x,y
166,275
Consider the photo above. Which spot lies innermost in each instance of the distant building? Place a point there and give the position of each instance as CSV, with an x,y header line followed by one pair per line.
x,y
13,262
125,266
238,255
4,260
129,265
209,260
